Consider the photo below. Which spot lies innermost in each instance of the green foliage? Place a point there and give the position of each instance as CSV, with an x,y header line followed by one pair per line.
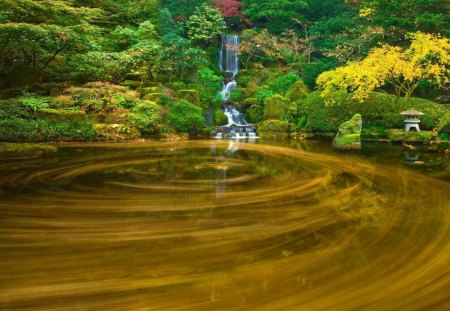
x,y
205,23
19,130
378,110
14,108
37,32
185,117
34,103
282,84
262,94
209,85
146,117
276,15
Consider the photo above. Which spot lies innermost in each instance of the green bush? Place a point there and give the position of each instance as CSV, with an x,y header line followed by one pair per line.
x,y
262,94
282,84
146,117
377,110
185,117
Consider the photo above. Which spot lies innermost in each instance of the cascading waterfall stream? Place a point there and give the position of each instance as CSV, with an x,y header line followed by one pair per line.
x,y
229,63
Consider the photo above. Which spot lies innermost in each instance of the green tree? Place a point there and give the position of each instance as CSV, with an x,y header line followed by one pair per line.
x,y
185,117
277,16
35,33
205,23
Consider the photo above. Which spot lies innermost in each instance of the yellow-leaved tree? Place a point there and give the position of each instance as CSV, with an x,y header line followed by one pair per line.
x,y
427,58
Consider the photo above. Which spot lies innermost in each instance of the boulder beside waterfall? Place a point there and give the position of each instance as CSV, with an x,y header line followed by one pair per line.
x,y
349,134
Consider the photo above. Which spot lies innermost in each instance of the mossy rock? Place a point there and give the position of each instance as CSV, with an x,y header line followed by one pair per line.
x,y
349,134
297,91
59,114
377,110
191,96
11,150
274,126
278,107
220,118
155,97
411,136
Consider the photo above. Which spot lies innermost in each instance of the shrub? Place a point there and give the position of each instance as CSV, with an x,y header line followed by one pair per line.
x,y
262,94
282,83
184,116
146,117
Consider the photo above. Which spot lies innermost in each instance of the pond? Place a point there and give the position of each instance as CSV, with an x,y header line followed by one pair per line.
x,y
222,225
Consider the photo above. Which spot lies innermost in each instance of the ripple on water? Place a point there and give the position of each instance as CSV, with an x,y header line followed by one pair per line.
x,y
205,225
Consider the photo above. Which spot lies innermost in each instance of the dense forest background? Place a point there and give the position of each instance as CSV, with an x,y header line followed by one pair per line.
x,y
155,62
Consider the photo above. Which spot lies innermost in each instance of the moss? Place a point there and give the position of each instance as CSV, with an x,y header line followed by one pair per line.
x,y
59,114
132,84
220,118
412,137
274,129
377,110
11,150
349,134
250,101
191,96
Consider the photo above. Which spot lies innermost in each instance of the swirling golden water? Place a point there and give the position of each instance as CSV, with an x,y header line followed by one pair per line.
x,y
203,225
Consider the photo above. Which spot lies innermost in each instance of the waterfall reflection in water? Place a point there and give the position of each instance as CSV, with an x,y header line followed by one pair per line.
x,y
190,226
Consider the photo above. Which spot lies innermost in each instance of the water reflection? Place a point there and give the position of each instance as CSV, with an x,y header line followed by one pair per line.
x,y
220,226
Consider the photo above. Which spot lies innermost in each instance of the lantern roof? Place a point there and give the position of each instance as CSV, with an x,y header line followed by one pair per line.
x,y
412,112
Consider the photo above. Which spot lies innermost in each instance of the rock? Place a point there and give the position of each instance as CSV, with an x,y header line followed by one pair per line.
x,y
411,136
349,134
59,114
297,91
274,129
191,96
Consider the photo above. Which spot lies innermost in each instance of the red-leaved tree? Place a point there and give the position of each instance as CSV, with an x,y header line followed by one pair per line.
x,y
231,8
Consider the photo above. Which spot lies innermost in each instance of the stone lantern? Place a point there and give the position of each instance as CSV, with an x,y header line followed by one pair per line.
x,y
412,119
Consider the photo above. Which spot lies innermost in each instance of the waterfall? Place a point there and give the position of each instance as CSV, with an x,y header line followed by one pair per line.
x,y
237,127
228,54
